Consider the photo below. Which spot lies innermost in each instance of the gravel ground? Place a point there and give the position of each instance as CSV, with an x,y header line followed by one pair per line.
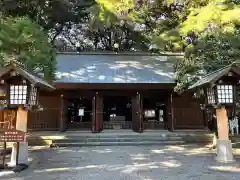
x,y
125,163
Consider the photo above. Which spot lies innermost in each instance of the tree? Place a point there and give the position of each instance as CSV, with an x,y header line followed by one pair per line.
x,y
92,25
53,15
26,42
105,29
217,28
159,20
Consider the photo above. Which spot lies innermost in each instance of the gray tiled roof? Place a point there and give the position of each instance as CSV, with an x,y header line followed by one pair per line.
x,y
38,82
211,77
114,68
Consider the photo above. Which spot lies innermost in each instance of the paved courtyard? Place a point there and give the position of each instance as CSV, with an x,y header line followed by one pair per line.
x,y
125,163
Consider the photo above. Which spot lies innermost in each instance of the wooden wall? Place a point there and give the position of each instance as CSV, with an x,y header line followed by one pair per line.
x,y
186,112
48,119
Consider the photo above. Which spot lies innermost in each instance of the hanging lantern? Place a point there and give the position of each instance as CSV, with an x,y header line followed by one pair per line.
x,y
19,88
220,94
21,92
219,86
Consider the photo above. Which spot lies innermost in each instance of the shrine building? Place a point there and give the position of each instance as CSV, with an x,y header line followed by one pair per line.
x,y
98,91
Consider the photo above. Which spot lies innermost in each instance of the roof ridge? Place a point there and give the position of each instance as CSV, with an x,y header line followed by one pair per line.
x,y
220,69
127,53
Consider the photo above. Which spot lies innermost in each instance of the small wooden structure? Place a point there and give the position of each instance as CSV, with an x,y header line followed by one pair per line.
x,y
223,87
220,89
19,93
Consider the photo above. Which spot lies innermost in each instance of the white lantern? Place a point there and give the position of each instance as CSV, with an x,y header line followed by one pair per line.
x,y
220,94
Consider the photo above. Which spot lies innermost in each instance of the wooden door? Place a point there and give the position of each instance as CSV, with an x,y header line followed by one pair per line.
x,y
97,113
137,120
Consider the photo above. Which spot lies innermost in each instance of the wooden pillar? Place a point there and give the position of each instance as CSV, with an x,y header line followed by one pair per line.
x,y
222,123
170,113
1,118
63,119
205,115
20,150
94,114
205,119
224,146
22,120
137,119
97,114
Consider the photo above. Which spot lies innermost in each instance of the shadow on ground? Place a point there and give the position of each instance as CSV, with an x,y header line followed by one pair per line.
x,y
149,163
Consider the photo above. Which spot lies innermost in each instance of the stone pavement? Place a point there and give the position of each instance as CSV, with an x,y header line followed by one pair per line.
x,y
126,163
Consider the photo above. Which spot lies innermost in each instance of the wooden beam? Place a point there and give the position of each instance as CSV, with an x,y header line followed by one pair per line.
x,y
170,112
97,106
63,120
114,86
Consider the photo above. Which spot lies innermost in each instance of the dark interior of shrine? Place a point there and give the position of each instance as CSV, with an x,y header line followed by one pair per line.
x,y
154,109
79,110
117,108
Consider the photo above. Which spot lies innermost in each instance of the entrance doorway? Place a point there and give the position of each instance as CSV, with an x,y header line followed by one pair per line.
x,y
117,112
154,113
79,113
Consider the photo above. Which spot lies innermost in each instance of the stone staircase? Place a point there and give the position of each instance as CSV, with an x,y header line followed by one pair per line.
x,y
118,141
125,138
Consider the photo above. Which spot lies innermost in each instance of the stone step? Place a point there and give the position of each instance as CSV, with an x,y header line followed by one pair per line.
x,y
141,143
113,139
120,136
47,138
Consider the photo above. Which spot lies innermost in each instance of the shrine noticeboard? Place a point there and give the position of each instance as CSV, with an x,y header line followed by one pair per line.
x,y
11,135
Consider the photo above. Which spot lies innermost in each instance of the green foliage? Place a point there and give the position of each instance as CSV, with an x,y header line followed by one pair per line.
x,y
24,41
223,15
217,43
109,24
53,15
113,6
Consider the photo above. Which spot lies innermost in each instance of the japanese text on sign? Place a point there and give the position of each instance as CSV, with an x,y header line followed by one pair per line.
x,y
12,136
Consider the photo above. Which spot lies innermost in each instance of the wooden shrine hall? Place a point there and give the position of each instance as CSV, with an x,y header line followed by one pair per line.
x,y
98,91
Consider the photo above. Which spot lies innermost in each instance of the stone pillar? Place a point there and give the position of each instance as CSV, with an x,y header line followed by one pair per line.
x,y
224,145
21,125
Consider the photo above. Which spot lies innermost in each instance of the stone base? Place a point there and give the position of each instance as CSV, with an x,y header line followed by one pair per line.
x,y
20,168
224,151
23,154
